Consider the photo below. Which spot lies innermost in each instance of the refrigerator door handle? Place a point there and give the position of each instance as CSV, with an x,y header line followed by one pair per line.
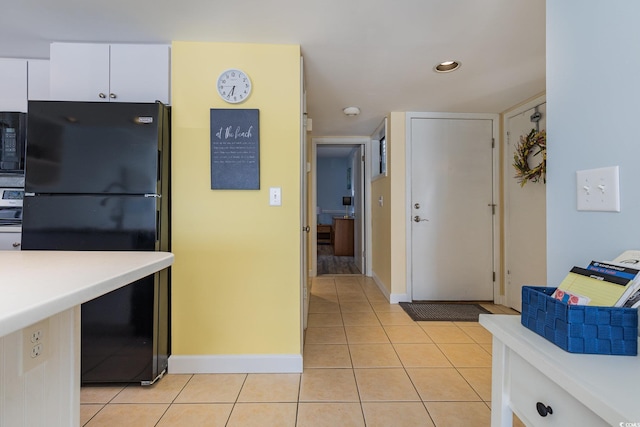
x,y
153,195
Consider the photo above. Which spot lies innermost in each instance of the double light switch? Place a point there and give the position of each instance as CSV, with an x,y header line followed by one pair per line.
x,y
598,189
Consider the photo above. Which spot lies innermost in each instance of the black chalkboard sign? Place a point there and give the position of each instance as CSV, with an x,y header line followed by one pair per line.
x,y
235,149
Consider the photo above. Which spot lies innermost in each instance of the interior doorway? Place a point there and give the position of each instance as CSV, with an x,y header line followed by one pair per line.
x,y
338,198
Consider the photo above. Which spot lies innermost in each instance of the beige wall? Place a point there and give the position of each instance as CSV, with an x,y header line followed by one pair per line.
x,y
236,277
398,247
388,235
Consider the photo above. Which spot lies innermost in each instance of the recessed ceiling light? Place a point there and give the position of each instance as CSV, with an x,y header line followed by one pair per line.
x,y
447,66
351,111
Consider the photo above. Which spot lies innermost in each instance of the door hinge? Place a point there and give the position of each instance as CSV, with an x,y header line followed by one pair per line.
x,y
493,143
493,208
363,157
494,276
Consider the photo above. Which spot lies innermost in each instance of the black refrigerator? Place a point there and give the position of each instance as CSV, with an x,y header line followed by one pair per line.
x,y
97,179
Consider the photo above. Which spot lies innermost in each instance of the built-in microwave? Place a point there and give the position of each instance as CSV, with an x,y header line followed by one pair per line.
x,y
13,138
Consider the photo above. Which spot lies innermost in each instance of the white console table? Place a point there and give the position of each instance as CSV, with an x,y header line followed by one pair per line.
x,y
40,297
574,389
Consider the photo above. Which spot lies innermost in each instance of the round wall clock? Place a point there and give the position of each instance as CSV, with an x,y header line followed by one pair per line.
x,y
234,86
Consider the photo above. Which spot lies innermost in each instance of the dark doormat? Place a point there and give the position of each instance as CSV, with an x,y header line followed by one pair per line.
x,y
424,311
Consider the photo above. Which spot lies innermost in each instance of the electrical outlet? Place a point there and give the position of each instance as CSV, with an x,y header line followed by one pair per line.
x,y
36,351
34,345
36,336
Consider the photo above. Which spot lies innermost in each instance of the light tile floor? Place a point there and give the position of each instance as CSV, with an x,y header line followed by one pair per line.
x,y
366,363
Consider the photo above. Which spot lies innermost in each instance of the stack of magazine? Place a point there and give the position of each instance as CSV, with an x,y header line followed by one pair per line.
x,y
613,283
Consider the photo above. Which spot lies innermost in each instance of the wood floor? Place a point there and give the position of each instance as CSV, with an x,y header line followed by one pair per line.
x,y
328,263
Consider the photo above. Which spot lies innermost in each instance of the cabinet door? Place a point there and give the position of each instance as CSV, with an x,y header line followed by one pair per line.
x,y
13,85
38,81
9,241
140,73
79,72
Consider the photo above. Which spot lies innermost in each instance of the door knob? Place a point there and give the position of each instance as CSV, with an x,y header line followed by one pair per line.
x,y
418,219
543,409
307,228
417,206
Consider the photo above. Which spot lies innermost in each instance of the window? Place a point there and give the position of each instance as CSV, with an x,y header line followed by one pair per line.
x,y
379,151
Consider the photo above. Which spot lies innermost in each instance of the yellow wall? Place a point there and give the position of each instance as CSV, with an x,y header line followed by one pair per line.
x,y
236,277
381,224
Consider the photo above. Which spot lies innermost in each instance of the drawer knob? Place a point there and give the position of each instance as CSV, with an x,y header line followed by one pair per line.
x,y
543,409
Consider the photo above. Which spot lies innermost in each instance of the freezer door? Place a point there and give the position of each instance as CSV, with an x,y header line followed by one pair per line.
x,y
105,223
89,148
125,333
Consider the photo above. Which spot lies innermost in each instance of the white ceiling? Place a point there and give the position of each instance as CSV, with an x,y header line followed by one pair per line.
x,y
374,54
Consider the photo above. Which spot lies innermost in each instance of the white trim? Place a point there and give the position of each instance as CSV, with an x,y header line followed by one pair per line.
x,y
522,108
304,234
496,186
226,364
392,298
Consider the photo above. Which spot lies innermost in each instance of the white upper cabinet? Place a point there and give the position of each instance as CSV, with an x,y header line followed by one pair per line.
x,y
38,79
116,72
140,73
13,85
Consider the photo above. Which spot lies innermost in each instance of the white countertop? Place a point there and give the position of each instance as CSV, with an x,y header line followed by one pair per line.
x,y
35,285
605,384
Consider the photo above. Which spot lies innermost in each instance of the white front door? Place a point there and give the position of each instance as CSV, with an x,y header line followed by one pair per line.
x,y
451,209
525,251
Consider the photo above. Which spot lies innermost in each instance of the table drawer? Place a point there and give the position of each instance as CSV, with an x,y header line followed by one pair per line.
x,y
529,386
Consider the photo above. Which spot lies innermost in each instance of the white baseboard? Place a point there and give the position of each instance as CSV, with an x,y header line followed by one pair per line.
x,y
392,298
250,364
396,298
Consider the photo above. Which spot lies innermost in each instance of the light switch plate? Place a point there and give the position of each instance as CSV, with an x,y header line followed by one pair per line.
x,y
598,189
275,196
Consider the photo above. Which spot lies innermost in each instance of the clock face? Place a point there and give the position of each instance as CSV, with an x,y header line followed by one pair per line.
x,y
234,86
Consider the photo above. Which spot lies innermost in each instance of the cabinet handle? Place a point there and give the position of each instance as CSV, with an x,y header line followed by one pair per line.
x,y
543,409
102,95
112,95
16,244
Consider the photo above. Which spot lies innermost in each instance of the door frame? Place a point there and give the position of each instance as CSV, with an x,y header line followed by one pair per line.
x,y
495,118
366,192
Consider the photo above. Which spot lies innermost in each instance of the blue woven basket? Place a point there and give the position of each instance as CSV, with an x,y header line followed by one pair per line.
x,y
580,328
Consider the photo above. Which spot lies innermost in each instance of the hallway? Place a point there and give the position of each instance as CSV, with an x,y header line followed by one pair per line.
x,y
328,263
366,363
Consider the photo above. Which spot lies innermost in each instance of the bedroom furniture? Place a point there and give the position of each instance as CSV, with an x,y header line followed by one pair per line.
x,y
324,234
342,239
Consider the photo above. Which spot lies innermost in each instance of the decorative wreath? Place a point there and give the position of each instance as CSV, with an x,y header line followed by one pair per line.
x,y
533,144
